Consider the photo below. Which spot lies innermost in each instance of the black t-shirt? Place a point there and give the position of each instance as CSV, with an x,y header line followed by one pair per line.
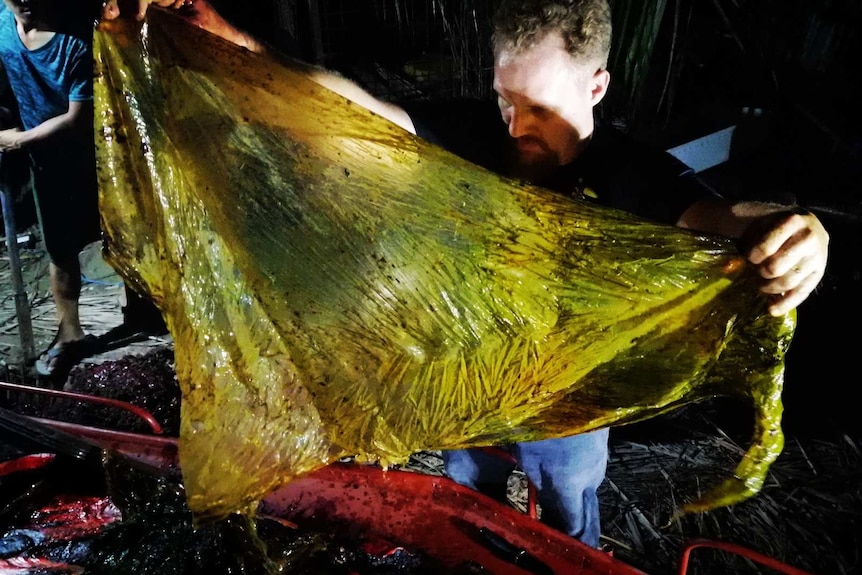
x,y
615,170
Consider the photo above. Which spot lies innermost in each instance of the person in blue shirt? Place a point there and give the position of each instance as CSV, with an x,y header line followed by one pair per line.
x,y
46,48
48,60
550,71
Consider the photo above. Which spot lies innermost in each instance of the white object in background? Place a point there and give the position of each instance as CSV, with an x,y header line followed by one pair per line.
x,y
706,152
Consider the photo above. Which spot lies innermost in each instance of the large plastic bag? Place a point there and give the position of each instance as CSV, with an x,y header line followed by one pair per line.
x,y
336,286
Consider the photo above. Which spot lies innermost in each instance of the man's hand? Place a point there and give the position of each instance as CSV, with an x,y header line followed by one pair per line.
x,y
10,139
198,12
790,251
788,245
112,10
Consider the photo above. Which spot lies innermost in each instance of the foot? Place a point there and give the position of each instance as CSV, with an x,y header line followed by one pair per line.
x,y
62,356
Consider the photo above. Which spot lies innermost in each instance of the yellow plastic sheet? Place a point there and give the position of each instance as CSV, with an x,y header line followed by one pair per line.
x,y
336,286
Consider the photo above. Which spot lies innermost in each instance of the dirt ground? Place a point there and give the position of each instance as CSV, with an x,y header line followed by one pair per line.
x,y
101,304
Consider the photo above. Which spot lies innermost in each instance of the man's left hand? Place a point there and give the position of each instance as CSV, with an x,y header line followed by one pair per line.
x,y
790,251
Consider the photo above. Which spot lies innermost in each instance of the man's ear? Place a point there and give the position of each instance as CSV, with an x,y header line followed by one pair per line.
x,y
599,85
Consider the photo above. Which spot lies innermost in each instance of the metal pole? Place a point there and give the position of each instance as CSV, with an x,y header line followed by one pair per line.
x,y
22,304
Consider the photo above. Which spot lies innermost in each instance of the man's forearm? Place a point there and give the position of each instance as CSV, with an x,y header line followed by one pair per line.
x,y
727,218
355,93
204,15
79,116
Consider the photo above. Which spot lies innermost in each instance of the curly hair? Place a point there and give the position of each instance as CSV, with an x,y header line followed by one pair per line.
x,y
585,26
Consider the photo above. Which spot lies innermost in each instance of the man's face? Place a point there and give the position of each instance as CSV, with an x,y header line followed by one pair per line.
x,y
546,98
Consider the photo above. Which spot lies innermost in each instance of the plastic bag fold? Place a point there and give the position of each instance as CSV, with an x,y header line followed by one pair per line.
x,y
336,286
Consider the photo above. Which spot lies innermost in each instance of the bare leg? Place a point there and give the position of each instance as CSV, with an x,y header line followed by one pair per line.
x,y
66,290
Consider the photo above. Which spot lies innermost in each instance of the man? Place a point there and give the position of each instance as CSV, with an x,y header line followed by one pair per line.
x,y
550,59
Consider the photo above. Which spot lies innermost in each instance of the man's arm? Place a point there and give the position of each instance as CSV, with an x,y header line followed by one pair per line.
x,y
788,246
79,116
206,17
353,92
111,8
200,13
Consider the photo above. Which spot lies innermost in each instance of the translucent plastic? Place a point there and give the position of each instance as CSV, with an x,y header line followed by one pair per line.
x,y
336,286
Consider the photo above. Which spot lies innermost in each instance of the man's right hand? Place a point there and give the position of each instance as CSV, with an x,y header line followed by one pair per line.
x,y
112,7
197,12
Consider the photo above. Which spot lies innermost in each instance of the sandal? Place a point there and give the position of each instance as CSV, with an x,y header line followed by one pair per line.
x,y
60,358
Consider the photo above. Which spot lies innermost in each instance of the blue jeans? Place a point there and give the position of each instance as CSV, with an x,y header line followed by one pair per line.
x,y
566,472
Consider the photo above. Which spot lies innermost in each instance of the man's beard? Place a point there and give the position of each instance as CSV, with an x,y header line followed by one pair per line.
x,y
534,168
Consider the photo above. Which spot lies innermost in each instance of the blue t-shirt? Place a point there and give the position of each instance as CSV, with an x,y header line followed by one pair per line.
x,y
45,80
